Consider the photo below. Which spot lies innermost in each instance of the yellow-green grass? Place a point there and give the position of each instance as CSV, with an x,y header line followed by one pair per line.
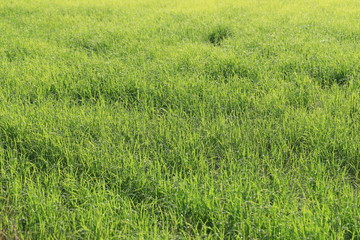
x,y
184,119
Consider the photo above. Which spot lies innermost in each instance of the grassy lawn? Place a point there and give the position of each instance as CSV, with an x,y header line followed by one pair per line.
x,y
192,119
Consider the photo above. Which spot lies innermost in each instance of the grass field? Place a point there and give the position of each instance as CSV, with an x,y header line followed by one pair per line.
x,y
192,119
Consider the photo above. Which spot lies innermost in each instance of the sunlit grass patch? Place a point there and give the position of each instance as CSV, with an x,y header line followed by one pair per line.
x,y
179,120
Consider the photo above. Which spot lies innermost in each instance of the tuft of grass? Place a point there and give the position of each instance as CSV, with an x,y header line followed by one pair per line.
x,y
218,34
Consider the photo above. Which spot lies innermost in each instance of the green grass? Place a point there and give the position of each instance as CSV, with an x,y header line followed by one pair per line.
x,y
179,119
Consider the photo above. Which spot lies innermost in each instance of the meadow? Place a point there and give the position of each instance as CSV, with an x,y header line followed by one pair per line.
x,y
192,119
